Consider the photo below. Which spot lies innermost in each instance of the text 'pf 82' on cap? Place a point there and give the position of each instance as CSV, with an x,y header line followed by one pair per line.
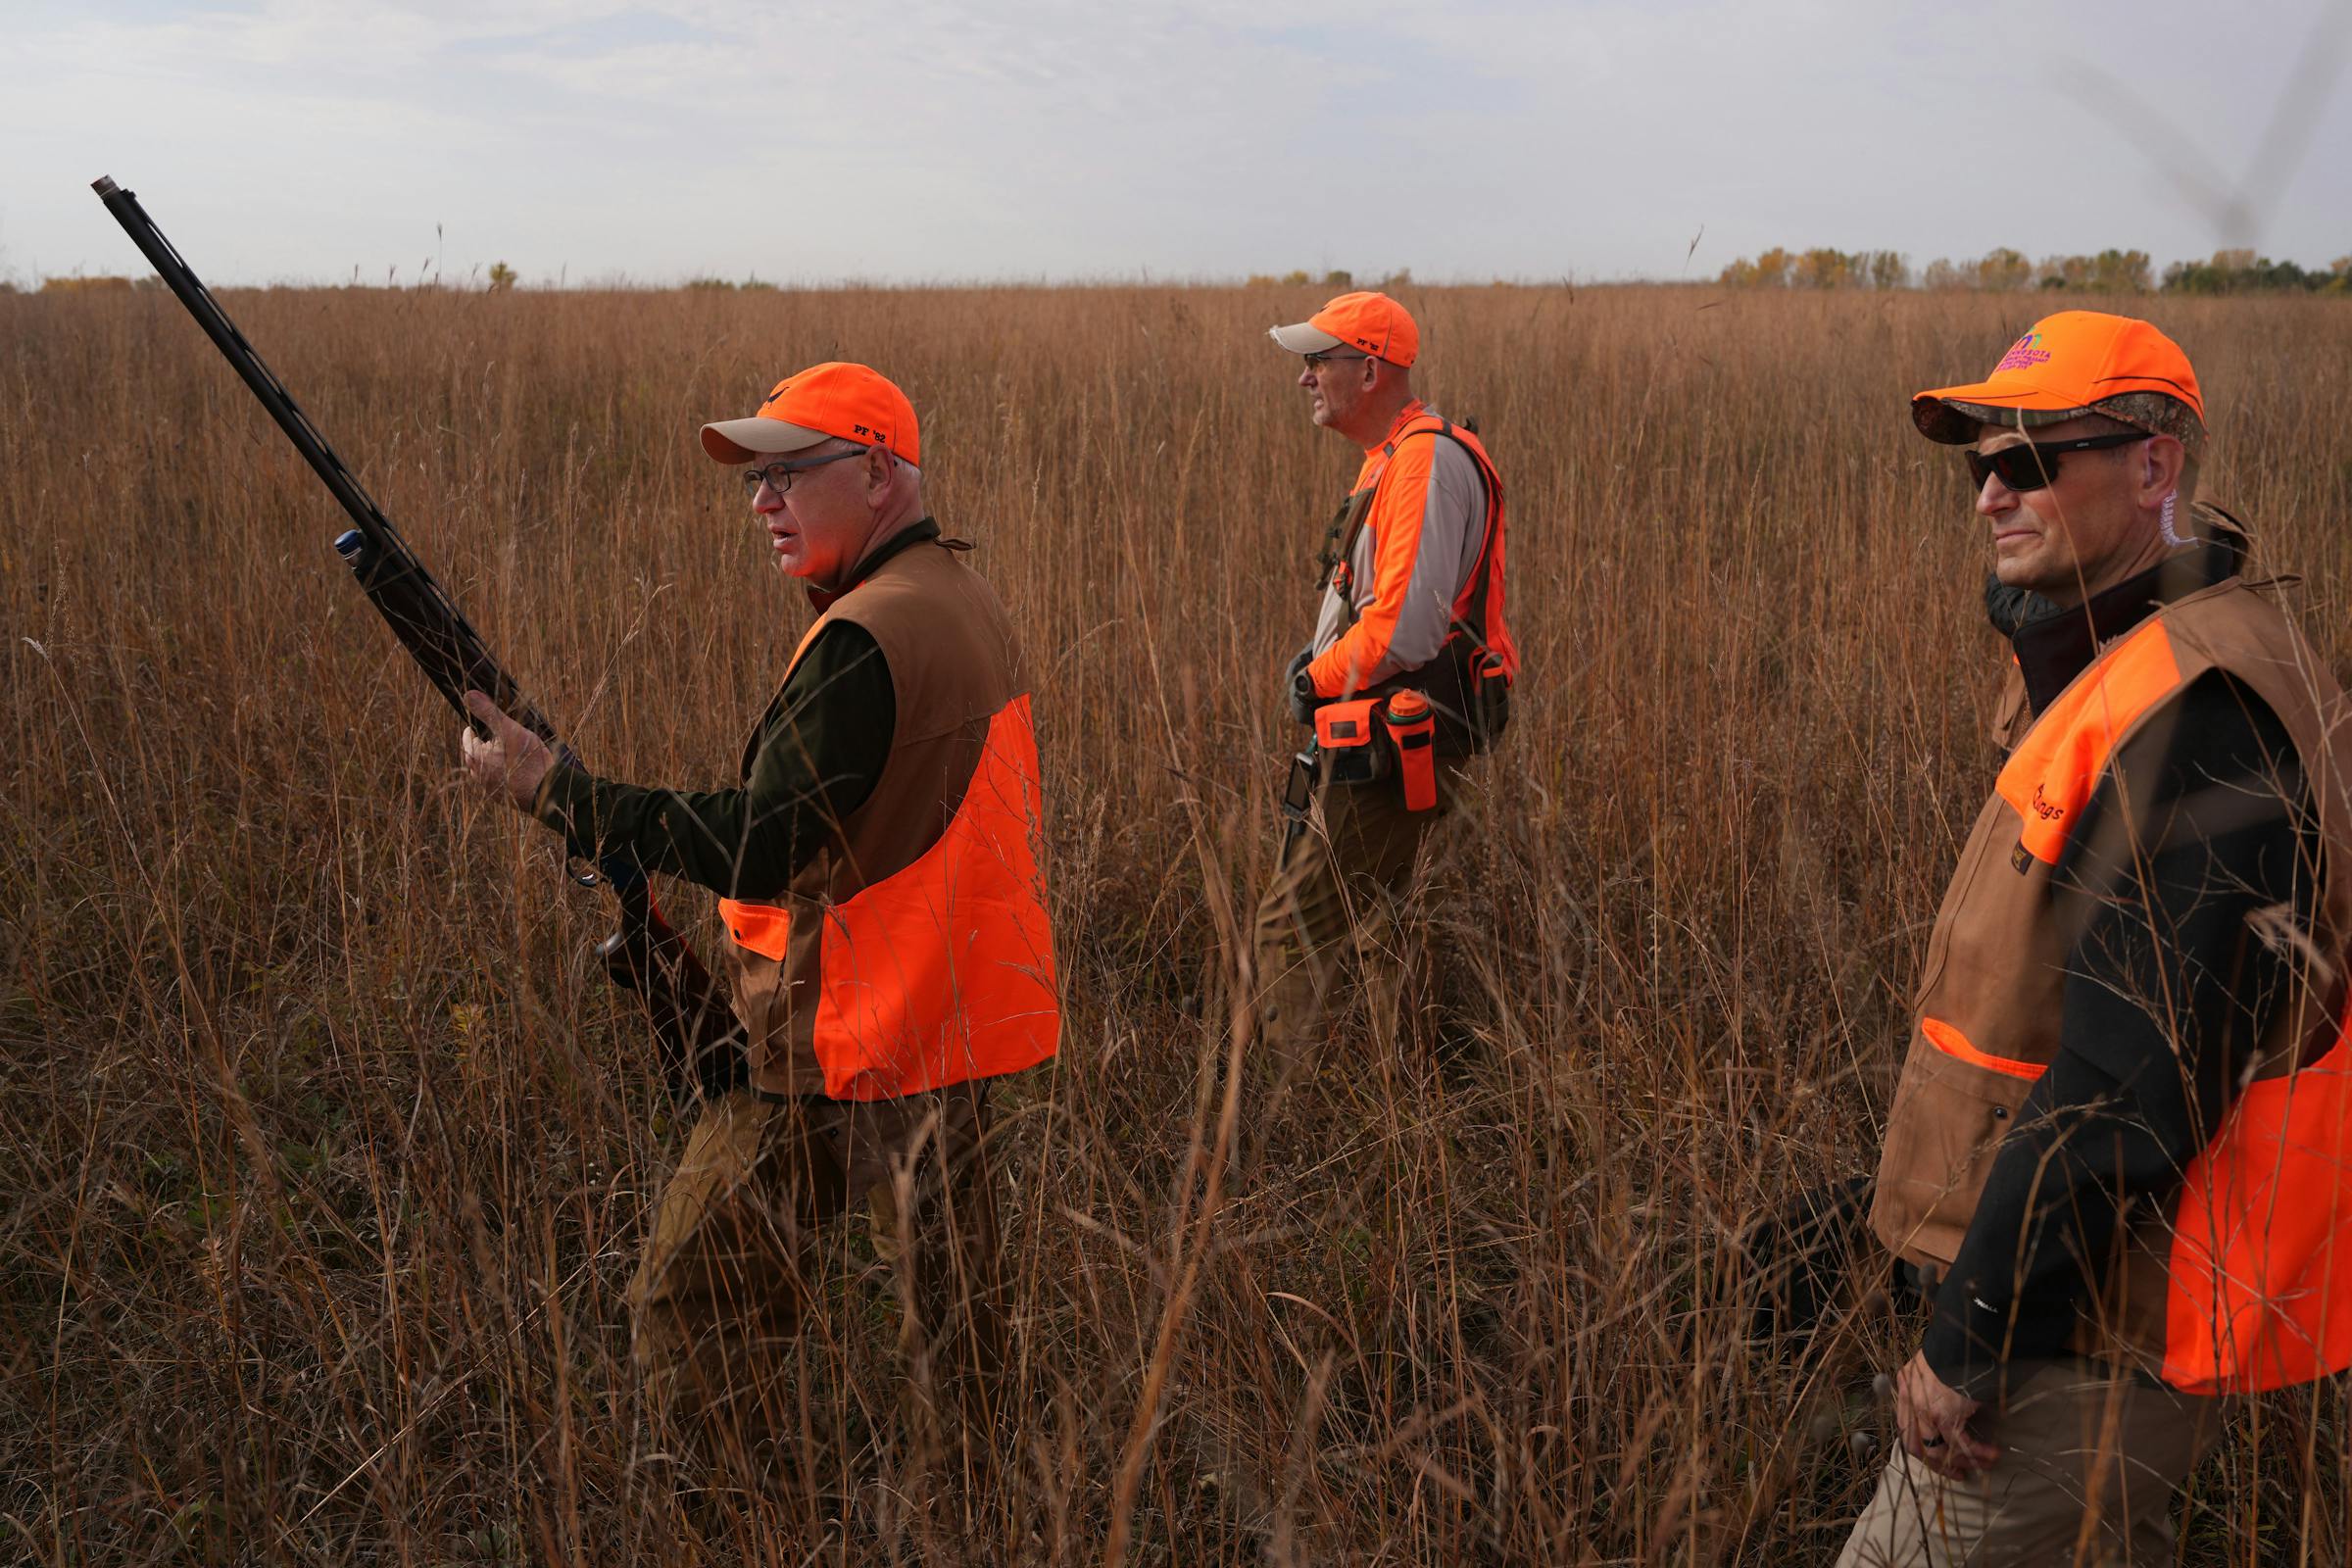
x,y
833,401
1372,323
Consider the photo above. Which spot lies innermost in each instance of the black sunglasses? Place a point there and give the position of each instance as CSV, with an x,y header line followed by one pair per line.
x,y
2032,464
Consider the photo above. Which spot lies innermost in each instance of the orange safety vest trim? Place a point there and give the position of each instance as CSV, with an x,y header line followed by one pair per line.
x,y
1478,609
944,971
2259,1290
1952,1043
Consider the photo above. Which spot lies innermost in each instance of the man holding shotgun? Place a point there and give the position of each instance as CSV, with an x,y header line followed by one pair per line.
x,y
877,862
2118,1159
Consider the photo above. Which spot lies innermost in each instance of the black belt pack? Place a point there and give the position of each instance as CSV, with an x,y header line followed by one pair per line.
x,y
1368,738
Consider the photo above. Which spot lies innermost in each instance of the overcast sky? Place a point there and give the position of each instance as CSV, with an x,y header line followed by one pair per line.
x,y
807,140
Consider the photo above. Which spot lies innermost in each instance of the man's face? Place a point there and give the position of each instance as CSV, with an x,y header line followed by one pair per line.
x,y
821,524
1334,383
2081,532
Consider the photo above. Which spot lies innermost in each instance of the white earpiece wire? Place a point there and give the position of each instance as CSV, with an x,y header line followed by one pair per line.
x,y
2172,535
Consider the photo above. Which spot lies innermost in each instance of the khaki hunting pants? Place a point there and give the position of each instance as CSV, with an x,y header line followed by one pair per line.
x,y
2097,1460
1337,889
732,1268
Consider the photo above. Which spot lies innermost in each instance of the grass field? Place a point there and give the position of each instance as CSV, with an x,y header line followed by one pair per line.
x,y
325,1150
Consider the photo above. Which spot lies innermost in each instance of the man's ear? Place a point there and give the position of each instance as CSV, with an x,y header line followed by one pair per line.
x,y
878,465
2160,472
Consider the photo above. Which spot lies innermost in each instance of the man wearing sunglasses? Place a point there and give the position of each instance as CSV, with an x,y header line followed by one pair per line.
x,y
1411,619
890,950
2116,1160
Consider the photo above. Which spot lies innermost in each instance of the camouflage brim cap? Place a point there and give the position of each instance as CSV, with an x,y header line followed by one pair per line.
x,y
1956,423
2162,414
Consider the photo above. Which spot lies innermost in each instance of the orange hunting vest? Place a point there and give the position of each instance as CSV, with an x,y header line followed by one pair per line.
x,y
915,951
2246,1282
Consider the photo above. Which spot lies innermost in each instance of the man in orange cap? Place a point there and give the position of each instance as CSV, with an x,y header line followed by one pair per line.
x,y
2115,1162
891,953
1410,664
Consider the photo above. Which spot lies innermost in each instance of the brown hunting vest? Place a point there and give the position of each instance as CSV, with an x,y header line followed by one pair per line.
x,y
2238,1283
913,951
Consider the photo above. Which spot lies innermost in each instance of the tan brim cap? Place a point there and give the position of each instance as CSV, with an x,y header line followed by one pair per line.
x,y
742,440
1302,338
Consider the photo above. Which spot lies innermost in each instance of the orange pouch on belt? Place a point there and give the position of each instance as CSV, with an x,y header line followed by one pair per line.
x,y
1344,733
1412,726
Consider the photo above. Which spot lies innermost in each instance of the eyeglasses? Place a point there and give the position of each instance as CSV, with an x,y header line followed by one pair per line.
x,y
777,476
1316,362
2032,465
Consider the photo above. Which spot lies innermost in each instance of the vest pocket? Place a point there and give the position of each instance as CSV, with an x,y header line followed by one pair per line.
x,y
756,985
757,936
1954,1105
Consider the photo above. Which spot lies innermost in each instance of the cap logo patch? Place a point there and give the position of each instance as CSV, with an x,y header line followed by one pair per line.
x,y
2023,354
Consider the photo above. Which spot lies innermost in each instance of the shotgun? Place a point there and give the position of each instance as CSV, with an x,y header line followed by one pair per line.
x,y
700,1043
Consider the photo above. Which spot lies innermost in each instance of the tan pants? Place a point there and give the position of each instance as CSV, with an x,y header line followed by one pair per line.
x,y
2095,1461
1336,889
730,1271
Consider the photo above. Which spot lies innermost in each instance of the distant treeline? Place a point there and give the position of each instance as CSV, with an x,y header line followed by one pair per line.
x,y
502,278
105,283
1997,271
2004,270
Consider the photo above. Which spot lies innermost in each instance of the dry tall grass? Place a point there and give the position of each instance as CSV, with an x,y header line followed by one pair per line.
x,y
325,1152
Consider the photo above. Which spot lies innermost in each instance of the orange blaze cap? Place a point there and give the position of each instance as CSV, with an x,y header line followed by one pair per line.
x,y
1372,323
833,401
2069,363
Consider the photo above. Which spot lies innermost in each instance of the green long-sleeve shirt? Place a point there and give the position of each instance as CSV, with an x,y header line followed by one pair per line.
x,y
821,748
